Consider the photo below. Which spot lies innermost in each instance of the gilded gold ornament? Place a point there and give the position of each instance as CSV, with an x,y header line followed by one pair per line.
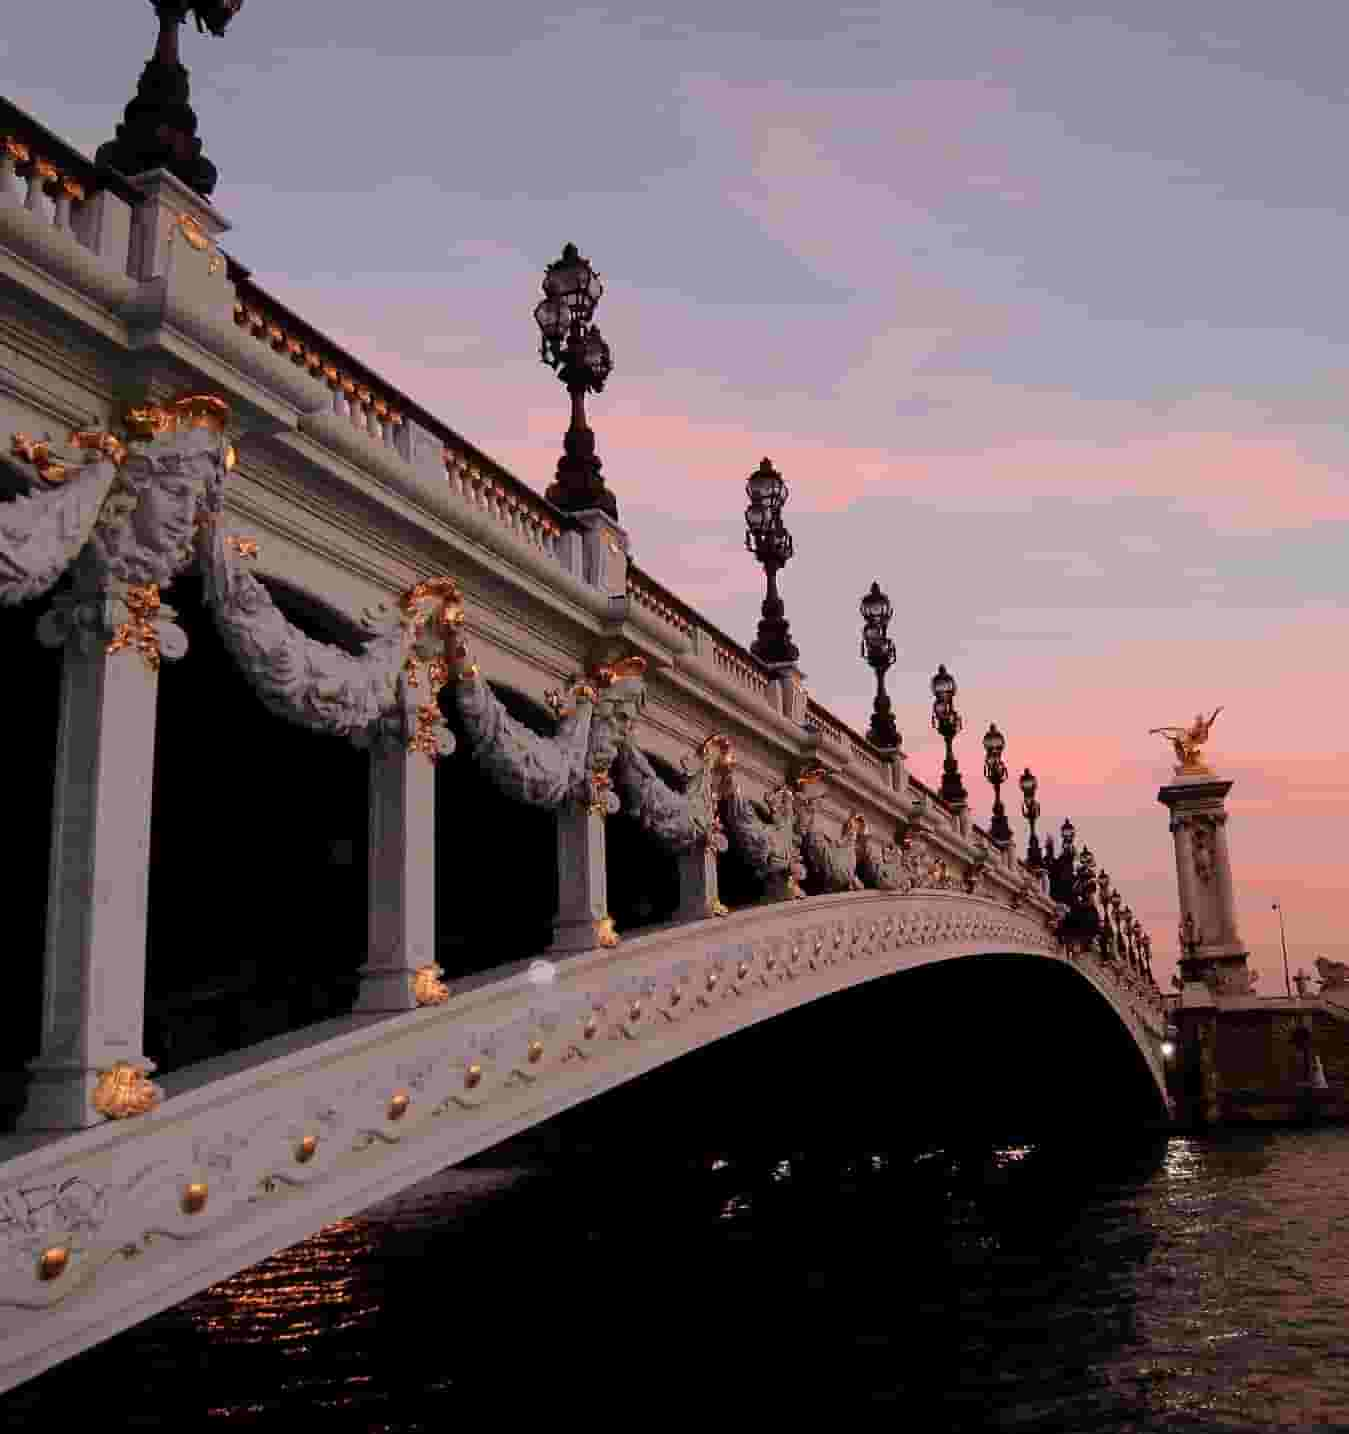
x,y
535,1052
304,1151
124,1090
605,933
192,232
52,1262
142,602
398,1105
37,451
194,1197
427,987
104,444
473,1076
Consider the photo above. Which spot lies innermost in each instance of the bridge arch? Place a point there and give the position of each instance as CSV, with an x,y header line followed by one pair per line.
x,y
316,1125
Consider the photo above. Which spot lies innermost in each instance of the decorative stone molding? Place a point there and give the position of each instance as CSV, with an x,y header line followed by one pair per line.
x,y
377,696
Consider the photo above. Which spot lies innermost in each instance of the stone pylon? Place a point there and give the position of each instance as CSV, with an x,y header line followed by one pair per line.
x,y
1211,946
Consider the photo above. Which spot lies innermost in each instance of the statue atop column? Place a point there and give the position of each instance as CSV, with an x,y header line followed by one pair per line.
x,y
1187,741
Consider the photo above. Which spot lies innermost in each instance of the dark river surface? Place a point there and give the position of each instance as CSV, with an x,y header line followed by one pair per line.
x,y
1182,1283
762,1230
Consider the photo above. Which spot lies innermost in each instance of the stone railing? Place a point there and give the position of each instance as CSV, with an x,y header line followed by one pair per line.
x,y
513,505
382,413
356,393
645,592
53,180
734,663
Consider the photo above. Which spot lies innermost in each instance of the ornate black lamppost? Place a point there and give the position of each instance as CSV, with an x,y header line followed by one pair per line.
x,y
768,539
1061,867
574,348
878,651
1107,942
1030,809
159,129
995,773
948,723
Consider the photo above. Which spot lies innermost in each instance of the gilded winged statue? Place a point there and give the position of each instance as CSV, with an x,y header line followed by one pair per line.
x,y
1187,741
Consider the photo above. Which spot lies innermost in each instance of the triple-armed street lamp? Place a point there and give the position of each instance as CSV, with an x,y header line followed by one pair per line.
x,y
878,651
995,772
572,345
766,536
948,722
1030,809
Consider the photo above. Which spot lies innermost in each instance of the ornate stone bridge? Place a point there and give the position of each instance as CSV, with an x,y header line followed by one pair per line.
x,y
374,579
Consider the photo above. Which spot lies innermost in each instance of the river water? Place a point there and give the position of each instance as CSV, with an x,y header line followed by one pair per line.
x,y
1153,1284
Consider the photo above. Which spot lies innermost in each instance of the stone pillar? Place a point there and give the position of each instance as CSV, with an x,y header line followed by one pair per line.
x,y
1204,881
604,553
698,884
93,990
401,924
583,921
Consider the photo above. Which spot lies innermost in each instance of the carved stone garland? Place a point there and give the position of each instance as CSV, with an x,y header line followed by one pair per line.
x,y
686,821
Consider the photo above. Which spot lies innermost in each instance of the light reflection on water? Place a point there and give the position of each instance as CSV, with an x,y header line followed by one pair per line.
x,y
1192,1284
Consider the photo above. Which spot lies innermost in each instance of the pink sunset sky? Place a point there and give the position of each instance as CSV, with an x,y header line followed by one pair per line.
x,y
1038,308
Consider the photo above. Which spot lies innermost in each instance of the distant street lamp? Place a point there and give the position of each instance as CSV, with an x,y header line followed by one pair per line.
x,y
1283,941
1030,809
1108,947
995,774
767,538
948,723
878,651
574,348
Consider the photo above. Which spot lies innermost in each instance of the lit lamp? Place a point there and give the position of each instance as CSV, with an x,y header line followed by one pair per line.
x,y
995,773
948,722
574,348
878,651
767,538
1030,809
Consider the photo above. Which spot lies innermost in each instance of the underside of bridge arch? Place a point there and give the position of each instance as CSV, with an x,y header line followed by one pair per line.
x,y
996,1047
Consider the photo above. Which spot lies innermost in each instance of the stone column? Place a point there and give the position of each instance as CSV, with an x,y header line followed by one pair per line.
x,y
1204,881
93,998
583,921
698,896
401,922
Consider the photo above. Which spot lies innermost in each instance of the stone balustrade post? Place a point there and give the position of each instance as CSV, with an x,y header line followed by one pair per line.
x,y
93,990
401,920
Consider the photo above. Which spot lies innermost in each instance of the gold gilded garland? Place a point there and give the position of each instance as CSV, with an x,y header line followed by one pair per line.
x,y
138,631
449,617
